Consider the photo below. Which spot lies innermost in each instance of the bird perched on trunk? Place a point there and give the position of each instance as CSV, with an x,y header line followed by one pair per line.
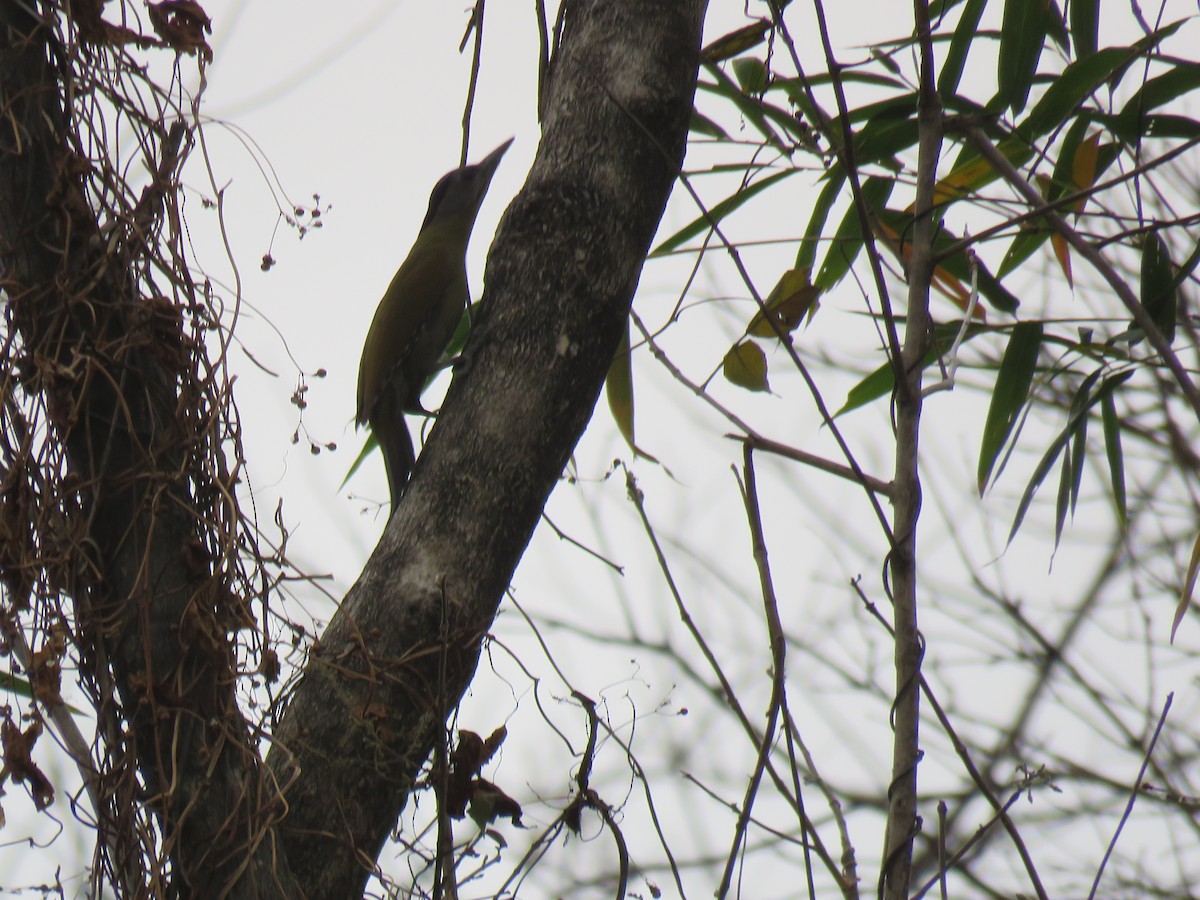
x,y
418,314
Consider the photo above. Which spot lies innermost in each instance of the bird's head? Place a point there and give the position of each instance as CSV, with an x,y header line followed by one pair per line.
x,y
461,192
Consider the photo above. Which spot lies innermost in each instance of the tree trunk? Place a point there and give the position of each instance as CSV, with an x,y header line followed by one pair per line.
x,y
150,611
559,281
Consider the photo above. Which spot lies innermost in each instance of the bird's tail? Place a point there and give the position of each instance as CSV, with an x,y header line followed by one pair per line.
x,y
391,432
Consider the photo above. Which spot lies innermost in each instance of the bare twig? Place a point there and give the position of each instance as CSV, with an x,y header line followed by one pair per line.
x,y
778,660
1162,720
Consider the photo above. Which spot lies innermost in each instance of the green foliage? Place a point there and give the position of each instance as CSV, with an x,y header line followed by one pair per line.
x,y
1010,394
982,208
1159,293
1072,118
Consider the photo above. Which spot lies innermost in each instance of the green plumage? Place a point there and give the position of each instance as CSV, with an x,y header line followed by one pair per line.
x,y
417,316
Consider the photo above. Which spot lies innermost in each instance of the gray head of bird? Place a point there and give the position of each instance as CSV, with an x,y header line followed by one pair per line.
x,y
461,192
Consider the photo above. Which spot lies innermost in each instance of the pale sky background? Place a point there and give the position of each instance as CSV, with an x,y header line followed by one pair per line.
x,y
363,108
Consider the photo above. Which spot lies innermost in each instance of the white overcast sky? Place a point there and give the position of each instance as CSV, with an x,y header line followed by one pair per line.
x,y
361,103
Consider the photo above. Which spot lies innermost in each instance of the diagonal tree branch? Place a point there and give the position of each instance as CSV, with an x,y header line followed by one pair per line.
x,y
559,281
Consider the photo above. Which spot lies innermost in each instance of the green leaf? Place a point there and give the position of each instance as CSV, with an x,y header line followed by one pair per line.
x,y
1077,450
1056,447
702,124
960,45
956,265
971,171
1085,26
750,107
1068,91
848,240
806,257
1056,27
751,75
1188,265
939,8
893,108
618,388
875,385
16,685
1168,126
718,213
791,301
23,687
881,139
1064,495
368,448
1159,293
1182,78
1022,35
1132,122
1013,382
1031,236
1035,232
1116,458
881,382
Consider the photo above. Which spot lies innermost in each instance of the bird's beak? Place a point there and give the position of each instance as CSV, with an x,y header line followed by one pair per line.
x,y
489,163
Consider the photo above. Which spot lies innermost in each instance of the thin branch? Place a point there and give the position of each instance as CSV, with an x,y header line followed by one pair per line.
x,y
1162,720
778,659
870,482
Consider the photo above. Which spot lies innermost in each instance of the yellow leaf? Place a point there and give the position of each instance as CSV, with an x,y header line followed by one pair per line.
x,y
793,298
950,286
730,45
976,172
1062,251
1083,167
746,366
1189,585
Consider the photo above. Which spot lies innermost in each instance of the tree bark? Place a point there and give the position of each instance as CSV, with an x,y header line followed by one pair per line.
x,y
559,281
404,645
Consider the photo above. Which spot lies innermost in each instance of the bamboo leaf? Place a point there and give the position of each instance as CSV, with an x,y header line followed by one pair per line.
x,y
1013,382
750,107
1159,293
730,45
718,213
751,75
960,46
1078,451
618,388
702,124
1085,26
882,138
848,240
1069,90
1022,36
368,448
881,382
971,171
1116,458
806,257
1064,496
792,300
1189,586
1056,446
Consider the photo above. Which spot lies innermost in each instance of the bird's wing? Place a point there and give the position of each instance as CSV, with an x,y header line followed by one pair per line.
x,y
414,293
